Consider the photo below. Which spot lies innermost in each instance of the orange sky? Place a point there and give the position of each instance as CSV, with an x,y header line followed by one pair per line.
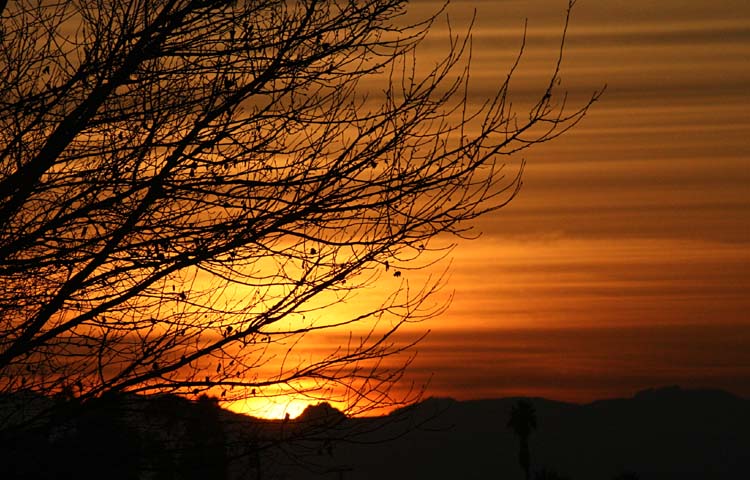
x,y
623,264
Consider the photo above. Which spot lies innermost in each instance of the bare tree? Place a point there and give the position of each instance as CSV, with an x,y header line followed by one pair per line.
x,y
186,184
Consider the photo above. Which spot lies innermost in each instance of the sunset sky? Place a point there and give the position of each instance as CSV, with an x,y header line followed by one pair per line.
x,y
624,262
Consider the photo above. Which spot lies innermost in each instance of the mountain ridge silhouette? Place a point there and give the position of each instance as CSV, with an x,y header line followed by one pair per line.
x,y
660,433
665,433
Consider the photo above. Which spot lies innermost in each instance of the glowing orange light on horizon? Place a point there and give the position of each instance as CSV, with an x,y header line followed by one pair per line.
x,y
276,408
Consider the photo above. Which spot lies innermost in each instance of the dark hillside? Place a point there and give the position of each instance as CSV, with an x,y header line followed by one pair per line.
x,y
666,433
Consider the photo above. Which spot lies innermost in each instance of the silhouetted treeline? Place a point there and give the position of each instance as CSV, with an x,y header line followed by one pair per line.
x,y
165,437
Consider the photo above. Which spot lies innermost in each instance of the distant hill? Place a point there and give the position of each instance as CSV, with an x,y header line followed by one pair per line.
x,y
665,433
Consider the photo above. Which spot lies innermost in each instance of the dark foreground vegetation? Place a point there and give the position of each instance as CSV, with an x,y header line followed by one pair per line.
x,y
666,433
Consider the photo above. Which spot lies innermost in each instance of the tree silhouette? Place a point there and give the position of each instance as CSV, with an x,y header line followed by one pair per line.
x,y
523,421
205,455
186,186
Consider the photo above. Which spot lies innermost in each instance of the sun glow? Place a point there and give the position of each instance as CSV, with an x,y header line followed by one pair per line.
x,y
274,407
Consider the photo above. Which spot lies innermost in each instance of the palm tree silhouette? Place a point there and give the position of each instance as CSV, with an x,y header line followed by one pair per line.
x,y
523,421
